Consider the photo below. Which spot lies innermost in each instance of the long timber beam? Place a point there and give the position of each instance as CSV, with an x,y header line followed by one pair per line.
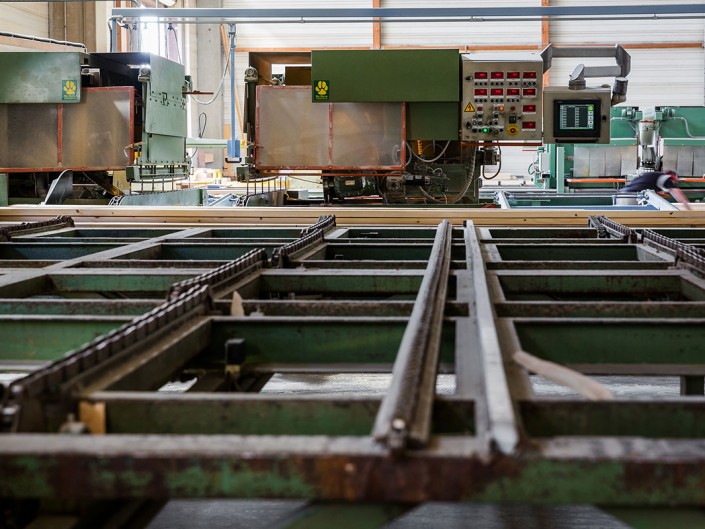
x,y
298,216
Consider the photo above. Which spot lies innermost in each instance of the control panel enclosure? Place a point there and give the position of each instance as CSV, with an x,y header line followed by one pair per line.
x,y
501,100
576,116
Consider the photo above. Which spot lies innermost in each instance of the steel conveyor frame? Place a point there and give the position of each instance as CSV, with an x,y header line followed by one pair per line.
x,y
142,306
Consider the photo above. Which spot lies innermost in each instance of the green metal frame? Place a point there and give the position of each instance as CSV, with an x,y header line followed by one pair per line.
x,y
602,301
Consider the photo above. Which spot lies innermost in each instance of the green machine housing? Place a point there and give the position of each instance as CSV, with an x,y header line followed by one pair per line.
x,y
92,113
391,119
427,81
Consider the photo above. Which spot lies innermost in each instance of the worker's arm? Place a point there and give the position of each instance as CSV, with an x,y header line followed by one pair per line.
x,y
680,197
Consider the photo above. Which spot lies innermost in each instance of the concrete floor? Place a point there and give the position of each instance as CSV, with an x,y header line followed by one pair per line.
x,y
233,514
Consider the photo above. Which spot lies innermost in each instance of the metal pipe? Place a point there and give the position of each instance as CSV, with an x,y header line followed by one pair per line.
x,y
43,39
232,155
167,19
411,13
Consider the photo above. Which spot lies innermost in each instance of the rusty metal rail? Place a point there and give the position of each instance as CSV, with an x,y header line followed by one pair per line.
x,y
283,256
404,417
223,275
325,223
47,383
27,228
686,255
609,228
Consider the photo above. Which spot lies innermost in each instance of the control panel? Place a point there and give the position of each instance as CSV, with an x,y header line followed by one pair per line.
x,y
577,116
501,100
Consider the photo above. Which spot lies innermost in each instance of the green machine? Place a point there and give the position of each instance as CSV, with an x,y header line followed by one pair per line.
x,y
395,126
653,138
92,114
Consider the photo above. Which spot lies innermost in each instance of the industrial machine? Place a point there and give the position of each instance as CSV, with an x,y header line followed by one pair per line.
x,y
418,126
93,114
641,140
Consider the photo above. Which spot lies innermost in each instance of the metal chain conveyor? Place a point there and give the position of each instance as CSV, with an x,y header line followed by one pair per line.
x,y
96,321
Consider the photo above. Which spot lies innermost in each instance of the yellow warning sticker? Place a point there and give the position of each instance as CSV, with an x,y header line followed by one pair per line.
x,y
469,107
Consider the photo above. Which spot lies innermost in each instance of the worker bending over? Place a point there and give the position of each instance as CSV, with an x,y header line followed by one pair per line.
x,y
658,181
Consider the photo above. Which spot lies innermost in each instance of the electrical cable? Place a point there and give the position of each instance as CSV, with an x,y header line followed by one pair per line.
x,y
687,129
201,129
499,166
470,180
43,39
629,121
176,41
220,87
424,159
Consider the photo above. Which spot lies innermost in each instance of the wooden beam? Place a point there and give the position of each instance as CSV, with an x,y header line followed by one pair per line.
x,y
545,26
133,216
376,28
545,39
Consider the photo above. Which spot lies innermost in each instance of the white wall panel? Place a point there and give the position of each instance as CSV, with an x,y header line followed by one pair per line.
x,y
301,35
657,77
625,31
487,33
24,18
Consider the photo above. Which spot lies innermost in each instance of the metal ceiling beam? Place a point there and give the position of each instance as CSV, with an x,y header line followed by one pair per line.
x,y
409,14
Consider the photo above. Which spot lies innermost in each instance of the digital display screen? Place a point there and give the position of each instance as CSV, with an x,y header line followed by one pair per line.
x,y
576,118
529,108
512,91
497,92
529,75
512,75
480,91
480,75
497,75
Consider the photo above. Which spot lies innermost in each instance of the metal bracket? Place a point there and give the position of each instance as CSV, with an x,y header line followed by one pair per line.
x,y
581,72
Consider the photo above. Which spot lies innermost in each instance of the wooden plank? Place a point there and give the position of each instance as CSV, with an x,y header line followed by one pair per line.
x,y
299,216
545,39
